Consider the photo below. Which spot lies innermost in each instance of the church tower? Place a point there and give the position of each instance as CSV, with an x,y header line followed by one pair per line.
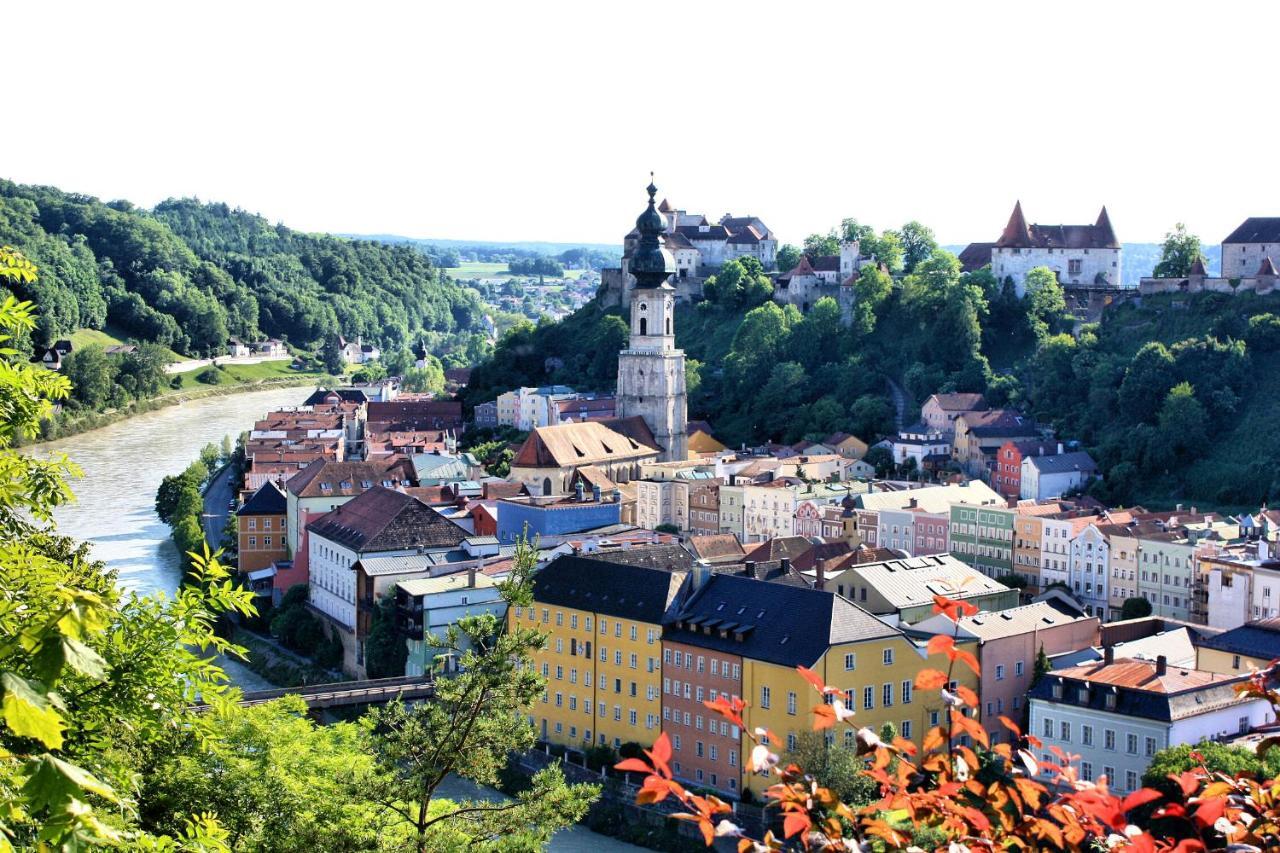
x,y
651,369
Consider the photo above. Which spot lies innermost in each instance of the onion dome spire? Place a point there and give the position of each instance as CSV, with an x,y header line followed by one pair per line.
x,y
651,264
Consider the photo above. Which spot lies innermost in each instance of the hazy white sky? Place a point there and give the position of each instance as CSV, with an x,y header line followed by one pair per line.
x,y
541,121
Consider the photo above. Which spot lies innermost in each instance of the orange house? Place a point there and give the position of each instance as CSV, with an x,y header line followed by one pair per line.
x,y
263,534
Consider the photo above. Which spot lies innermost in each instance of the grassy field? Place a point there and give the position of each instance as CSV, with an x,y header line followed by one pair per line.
x,y
476,270
239,374
105,338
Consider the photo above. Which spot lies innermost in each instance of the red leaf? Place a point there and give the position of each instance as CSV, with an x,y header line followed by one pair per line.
x,y
633,765
795,822
660,755
824,717
1140,798
814,679
1208,811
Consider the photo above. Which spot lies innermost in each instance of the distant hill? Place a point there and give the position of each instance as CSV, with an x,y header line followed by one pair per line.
x,y
1141,258
453,253
189,274
518,246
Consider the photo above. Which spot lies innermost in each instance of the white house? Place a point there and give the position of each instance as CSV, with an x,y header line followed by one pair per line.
x,y
922,443
1117,713
426,607
1090,567
1053,476
1078,254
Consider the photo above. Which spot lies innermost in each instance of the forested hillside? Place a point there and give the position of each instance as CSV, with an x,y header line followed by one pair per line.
x,y
1174,398
188,275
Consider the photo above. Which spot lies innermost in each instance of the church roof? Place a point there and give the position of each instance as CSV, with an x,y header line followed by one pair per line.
x,y
975,256
577,444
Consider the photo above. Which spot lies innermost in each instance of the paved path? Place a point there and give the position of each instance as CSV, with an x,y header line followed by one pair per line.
x,y
217,500
899,398
193,363
575,839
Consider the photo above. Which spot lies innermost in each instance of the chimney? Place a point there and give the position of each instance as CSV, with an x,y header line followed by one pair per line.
x,y
1109,655
471,578
595,493
1178,507
579,492
913,503
1162,665
786,565
751,568
1059,448
822,574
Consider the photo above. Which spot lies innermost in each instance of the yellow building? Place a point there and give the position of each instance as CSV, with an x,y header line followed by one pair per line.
x,y
772,628
1239,651
603,659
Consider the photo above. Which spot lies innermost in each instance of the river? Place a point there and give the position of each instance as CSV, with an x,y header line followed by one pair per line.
x,y
115,510
123,464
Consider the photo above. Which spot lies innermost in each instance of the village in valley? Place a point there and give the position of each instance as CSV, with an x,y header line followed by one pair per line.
x,y
674,569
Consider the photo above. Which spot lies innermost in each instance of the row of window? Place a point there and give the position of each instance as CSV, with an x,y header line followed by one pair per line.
x,y
266,524
1064,731
632,716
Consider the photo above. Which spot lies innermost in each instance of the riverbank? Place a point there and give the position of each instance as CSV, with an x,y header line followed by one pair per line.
x,y
90,421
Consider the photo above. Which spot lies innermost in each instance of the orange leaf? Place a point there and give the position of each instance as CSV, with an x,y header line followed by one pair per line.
x,y
968,696
633,765
933,739
1140,798
930,679
660,755
941,644
968,660
814,679
824,717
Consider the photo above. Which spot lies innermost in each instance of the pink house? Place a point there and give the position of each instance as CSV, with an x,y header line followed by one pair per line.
x,y
1008,642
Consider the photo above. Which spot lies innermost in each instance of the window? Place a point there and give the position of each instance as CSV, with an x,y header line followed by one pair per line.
x,y
1151,746
999,672
868,697
764,697
1086,771
1109,742
906,692
1086,735
886,695
905,729
851,662
1130,780
791,703
1048,728
888,657
1131,744
1109,772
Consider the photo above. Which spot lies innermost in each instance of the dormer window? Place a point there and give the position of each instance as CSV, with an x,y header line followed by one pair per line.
x,y
1057,691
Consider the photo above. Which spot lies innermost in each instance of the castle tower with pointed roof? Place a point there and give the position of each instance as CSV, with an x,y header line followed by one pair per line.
x,y
1081,255
651,369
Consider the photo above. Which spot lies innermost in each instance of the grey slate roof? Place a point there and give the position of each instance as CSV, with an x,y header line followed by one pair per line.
x,y
268,500
1253,639
1060,463
1256,229
777,623
615,589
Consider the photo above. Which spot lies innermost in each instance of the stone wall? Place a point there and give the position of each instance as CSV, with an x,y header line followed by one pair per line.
x,y
1243,259
1016,263
1205,284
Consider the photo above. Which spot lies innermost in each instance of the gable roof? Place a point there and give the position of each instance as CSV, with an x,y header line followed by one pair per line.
x,y
975,256
349,395
1018,620
615,589
1256,229
576,444
329,478
959,402
716,547
779,547
387,520
268,500
1140,692
778,623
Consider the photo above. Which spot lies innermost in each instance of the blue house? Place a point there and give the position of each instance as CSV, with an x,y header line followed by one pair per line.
x,y
556,515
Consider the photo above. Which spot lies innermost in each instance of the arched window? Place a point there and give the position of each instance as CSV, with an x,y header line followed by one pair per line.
x,y
644,325
546,485
668,325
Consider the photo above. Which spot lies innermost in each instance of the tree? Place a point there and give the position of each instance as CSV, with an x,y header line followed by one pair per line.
x,y
385,650
881,459
1184,424
839,767
1180,251
335,362
822,245
1046,302
474,723
1135,608
1042,666
872,416
69,749
93,377
1147,382
918,244
788,257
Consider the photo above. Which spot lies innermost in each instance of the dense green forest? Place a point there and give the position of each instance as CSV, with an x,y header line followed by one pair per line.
x,y
1173,397
189,274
